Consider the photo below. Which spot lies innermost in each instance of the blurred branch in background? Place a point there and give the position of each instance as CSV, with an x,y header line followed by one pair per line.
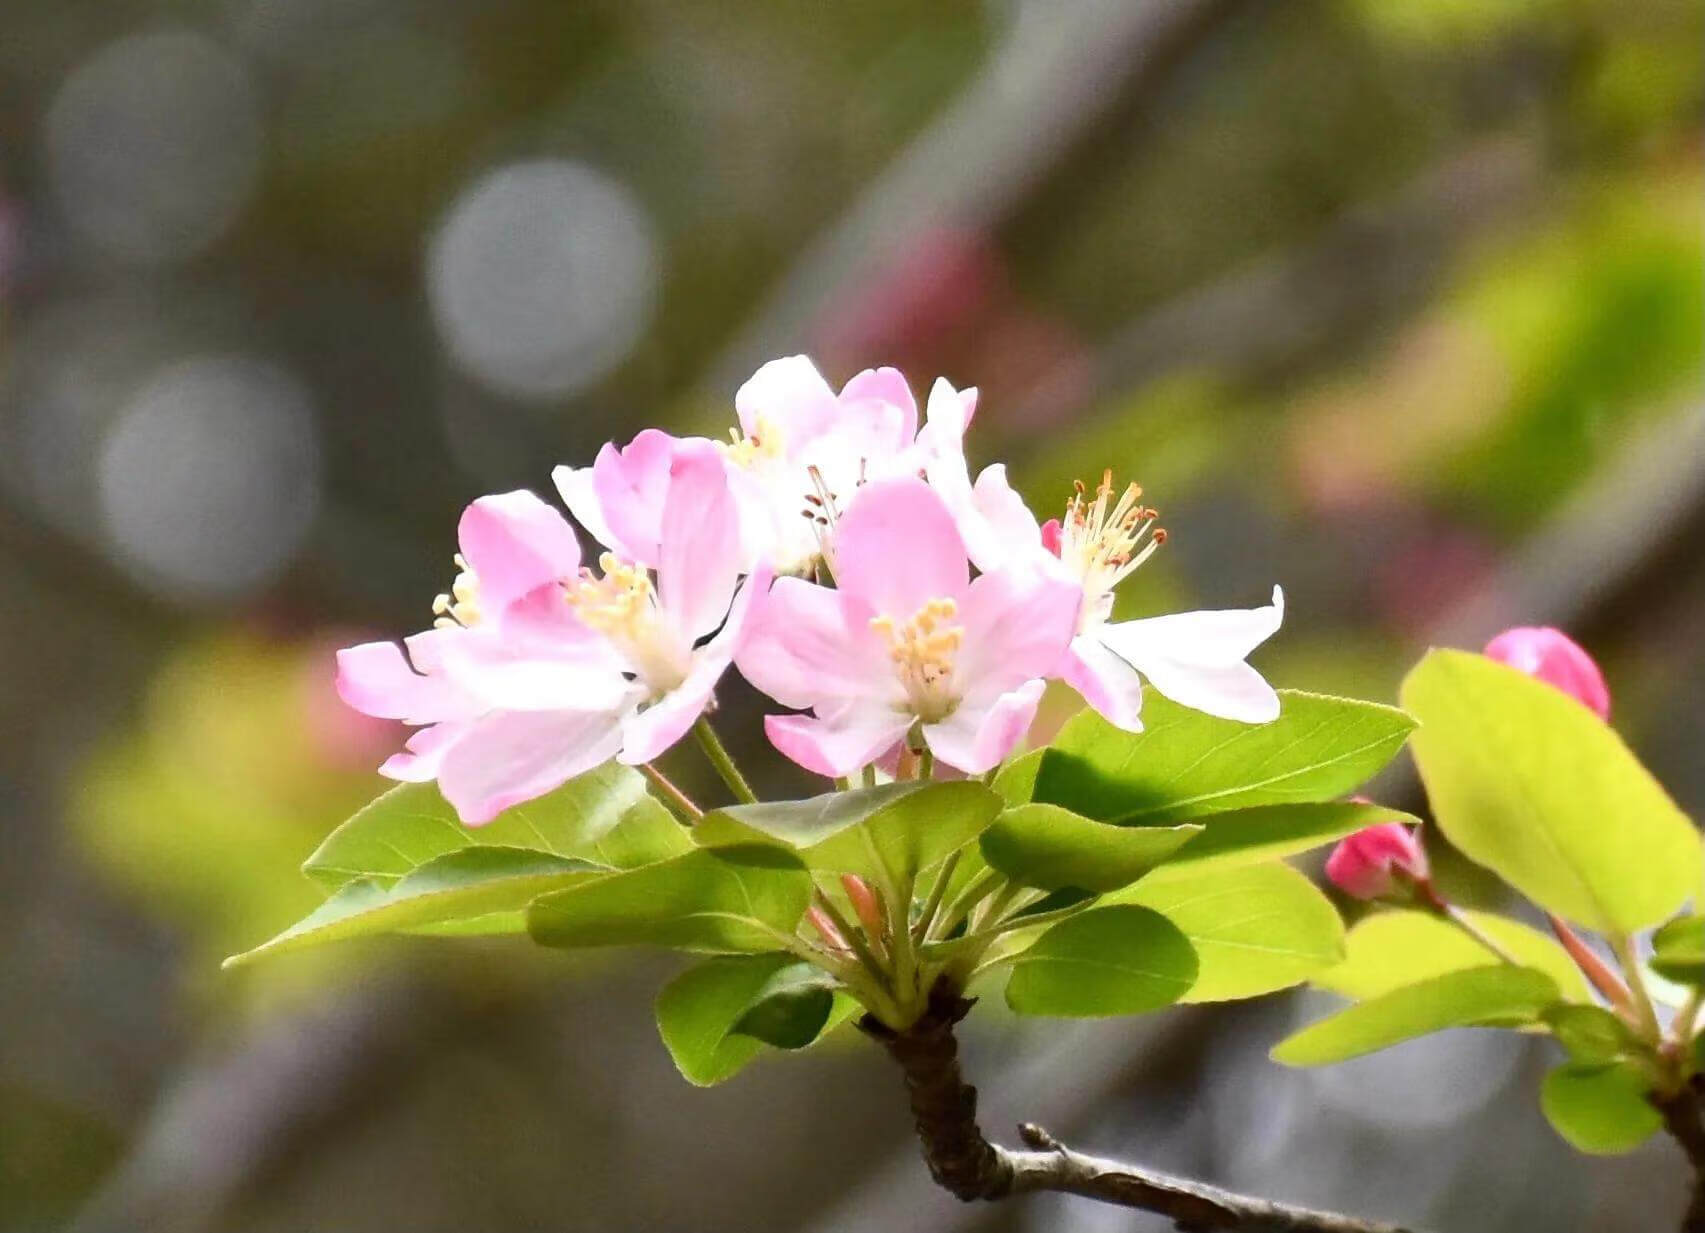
x,y
1057,72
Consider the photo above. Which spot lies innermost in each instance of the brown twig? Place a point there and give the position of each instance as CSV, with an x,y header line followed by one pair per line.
x,y
1681,1114
965,1163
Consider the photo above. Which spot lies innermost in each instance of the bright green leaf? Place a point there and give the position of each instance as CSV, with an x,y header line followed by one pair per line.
x,y
1590,1033
791,1009
1530,783
604,816
1121,960
1255,928
1270,832
1017,779
1678,950
1049,847
1185,764
697,1009
1504,995
1388,949
1600,1109
473,883
887,834
715,900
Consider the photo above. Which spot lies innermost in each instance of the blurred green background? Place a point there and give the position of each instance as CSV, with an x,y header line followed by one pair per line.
x,y
1398,303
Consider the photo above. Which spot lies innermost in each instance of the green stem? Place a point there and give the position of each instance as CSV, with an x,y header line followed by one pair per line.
x,y
867,777
680,804
937,893
926,763
1623,946
966,900
1459,918
718,755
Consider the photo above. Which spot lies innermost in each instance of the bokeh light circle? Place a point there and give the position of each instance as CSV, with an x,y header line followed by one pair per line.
x,y
210,477
154,145
542,277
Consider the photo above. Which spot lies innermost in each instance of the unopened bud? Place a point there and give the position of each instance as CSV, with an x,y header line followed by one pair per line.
x,y
866,904
1051,536
820,921
1555,658
1366,865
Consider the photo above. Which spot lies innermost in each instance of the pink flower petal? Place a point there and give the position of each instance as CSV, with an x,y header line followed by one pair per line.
x,y
578,491
791,395
1213,637
1196,658
649,732
1555,658
376,679
897,548
630,486
514,542
424,754
700,553
840,744
1107,683
510,757
809,644
886,386
1018,624
976,739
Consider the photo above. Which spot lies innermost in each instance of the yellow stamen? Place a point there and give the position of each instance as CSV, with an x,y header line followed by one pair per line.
x,y
923,650
622,606
460,606
1104,541
765,443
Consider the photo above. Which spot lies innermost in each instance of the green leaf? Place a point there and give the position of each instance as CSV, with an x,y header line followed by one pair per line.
x,y
604,816
1121,960
1016,781
1504,995
714,900
1600,1109
792,1007
1255,928
473,883
1389,949
1534,786
697,1010
1270,832
1185,764
1591,1033
1049,847
1678,950
887,833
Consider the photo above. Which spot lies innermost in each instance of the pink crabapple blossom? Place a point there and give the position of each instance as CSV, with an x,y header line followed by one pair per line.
x,y
1195,658
1555,658
799,452
1366,864
906,638
541,669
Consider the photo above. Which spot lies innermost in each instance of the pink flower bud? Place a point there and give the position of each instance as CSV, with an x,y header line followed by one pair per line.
x,y
826,928
1051,536
1555,658
1366,864
865,903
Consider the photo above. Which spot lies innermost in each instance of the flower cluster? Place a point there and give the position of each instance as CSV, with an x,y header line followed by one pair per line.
x,y
835,552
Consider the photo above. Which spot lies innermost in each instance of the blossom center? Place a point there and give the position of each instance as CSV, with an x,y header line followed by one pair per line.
x,y
923,650
1104,541
622,605
460,605
765,443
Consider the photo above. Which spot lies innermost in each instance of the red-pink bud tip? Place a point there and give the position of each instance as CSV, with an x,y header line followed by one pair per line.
x,y
1051,536
1365,865
867,905
1555,658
